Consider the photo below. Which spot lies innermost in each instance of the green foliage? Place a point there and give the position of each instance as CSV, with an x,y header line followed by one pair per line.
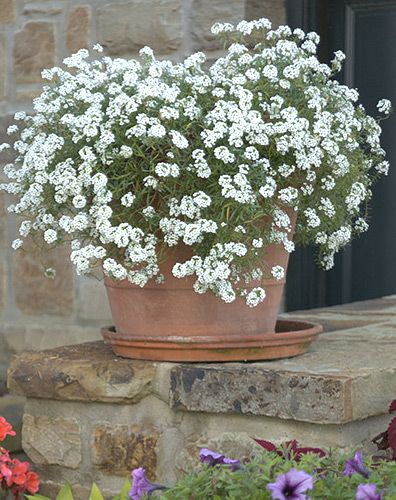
x,y
66,493
250,482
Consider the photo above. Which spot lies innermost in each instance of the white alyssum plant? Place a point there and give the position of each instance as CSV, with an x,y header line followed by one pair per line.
x,y
126,158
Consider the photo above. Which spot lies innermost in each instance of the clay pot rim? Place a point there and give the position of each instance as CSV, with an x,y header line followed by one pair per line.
x,y
296,332
112,283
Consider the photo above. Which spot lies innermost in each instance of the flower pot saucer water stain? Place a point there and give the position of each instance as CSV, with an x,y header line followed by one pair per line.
x,y
171,322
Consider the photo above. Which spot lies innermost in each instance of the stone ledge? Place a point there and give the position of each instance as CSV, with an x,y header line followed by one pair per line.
x,y
82,372
349,374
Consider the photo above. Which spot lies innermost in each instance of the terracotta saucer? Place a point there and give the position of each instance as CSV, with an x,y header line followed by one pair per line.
x,y
291,338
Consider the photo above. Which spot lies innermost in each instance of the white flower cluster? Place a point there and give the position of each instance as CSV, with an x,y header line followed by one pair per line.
x,y
126,158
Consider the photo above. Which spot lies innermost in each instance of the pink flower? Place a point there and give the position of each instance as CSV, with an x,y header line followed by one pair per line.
x,y
5,429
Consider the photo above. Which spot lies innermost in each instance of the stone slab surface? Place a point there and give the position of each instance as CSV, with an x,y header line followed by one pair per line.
x,y
84,372
349,374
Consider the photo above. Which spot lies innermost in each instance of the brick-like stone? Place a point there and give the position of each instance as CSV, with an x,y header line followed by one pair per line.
x,y
52,441
34,50
259,391
86,372
275,10
27,96
124,28
36,294
7,11
119,449
3,288
3,66
20,337
93,304
31,10
207,12
78,28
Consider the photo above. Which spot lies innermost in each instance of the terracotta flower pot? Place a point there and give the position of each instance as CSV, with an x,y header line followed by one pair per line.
x,y
171,322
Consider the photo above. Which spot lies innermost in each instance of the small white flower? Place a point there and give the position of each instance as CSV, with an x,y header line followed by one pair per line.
x,y
384,106
278,272
17,244
255,297
50,273
128,199
50,236
79,201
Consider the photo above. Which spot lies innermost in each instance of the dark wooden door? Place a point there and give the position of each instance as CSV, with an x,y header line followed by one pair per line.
x,y
366,31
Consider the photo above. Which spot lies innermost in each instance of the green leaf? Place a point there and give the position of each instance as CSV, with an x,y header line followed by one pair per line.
x,y
95,493
65,493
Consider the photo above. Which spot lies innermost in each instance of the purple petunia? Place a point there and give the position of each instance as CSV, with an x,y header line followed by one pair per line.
x,y
355,466
291,486
140,485
368,492
212,458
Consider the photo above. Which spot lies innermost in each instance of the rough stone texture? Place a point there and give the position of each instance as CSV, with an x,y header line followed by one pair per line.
x,y
3,285
124,28
34,50
117,449
275,10
27,96
207,12
19,337
330,384
78,27
3,65
7,11
32,10
92,302
87,372
52,441
36,294
258,391
120,413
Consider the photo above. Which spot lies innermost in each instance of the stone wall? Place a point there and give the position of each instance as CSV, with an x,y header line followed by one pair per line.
x,y
34,34
91,416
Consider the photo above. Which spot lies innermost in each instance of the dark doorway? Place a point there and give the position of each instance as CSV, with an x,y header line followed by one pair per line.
x,y
366,31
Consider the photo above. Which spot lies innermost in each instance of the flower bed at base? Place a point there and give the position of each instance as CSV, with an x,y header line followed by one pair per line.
x,y
277,473
15,476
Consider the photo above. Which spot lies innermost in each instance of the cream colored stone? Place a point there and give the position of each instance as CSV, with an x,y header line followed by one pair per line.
x,y
92,302
27,96
3,66
204,13
34,50
124,28
36,294
275,10
78,28
7,11
52,441
3,287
